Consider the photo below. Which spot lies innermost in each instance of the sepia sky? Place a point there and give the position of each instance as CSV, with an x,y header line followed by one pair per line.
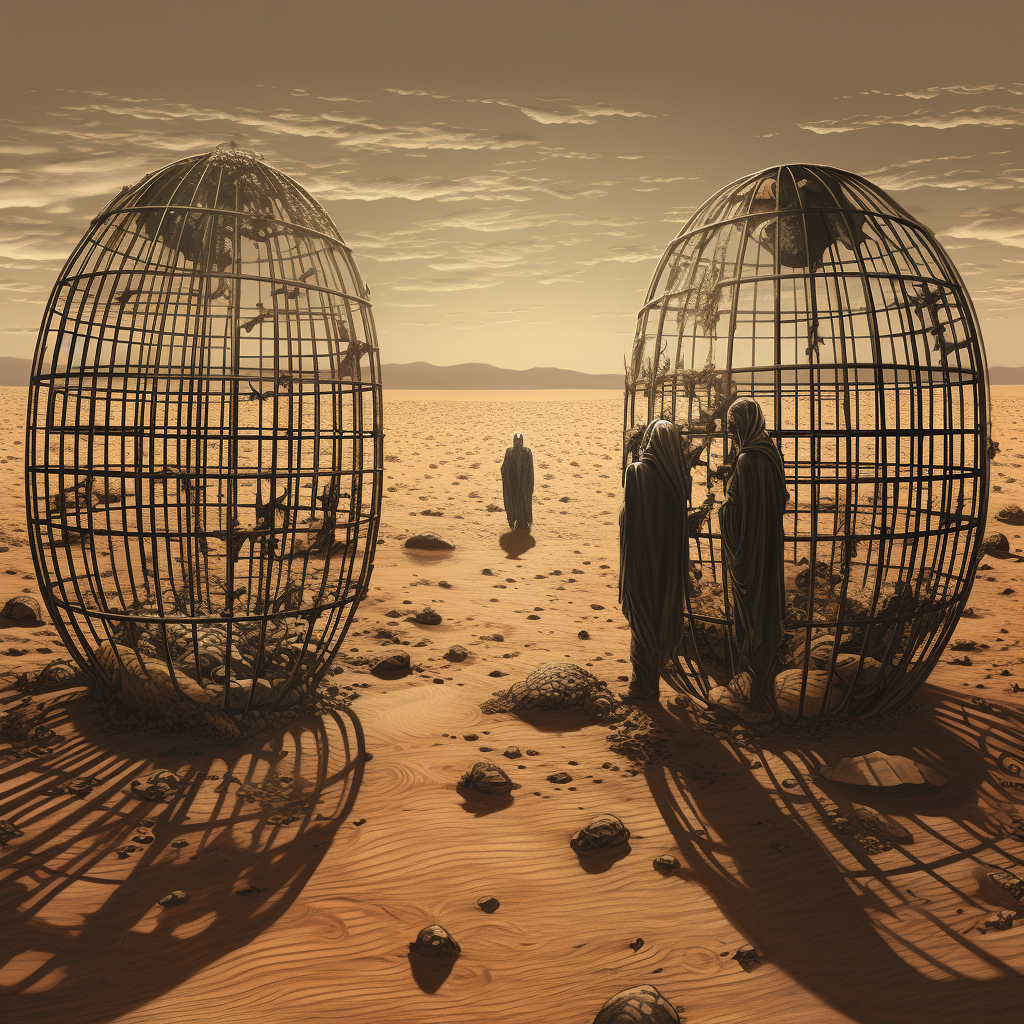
x,y
509,173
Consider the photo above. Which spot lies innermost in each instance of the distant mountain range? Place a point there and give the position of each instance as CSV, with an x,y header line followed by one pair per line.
x,y
479,377
484,377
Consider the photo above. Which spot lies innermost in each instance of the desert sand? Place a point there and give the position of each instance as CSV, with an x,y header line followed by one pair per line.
x,y
309,874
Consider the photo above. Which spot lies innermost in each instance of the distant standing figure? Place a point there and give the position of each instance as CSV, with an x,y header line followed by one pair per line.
x,y
753,539
653,552
517,485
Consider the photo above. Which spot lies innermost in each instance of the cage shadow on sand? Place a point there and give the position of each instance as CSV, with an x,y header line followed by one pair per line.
x,y
83,928
886,936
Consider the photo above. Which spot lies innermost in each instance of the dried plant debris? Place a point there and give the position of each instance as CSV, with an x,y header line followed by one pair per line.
x,y
556,687
881,769
79,787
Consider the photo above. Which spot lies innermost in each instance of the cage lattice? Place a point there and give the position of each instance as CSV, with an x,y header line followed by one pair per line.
x,y
813,292
204,452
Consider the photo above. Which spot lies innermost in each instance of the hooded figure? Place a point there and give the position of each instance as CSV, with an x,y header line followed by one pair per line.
x,y
653,552
752,537
517,485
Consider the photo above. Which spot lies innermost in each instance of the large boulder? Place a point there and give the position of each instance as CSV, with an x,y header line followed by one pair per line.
x,y
996,544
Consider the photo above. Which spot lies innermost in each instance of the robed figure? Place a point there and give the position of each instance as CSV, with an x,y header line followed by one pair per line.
x,y
653,553
753,539
517,485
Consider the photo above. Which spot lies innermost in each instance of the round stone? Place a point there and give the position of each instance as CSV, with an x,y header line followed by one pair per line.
x,y
603,833
436,942
429,542
665,865
632,1005
22,609
488,779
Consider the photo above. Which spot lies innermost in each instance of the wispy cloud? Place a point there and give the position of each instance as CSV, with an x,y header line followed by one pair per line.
x,y
986,117
626,254
544,111
946,172
1001,224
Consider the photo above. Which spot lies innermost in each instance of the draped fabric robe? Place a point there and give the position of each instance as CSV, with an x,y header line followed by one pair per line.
x,y
653,554
753,539
517,484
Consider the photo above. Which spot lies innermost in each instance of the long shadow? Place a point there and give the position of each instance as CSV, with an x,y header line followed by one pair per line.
x,y
83,940
802,895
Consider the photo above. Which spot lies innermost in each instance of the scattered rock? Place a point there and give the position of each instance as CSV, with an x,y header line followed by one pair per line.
x,y
437,942
513,752
881,769
1002,922
1007,884
429,542
487,779
486,572
583,634
1011,514
59,674
394,666
456,653
603,833
9,831
665,865
124,851
427,617
556,686
888,828
173,899
636,945
633,1005
158,786
22,609
560,778
488,904
996,544
747,957
179,844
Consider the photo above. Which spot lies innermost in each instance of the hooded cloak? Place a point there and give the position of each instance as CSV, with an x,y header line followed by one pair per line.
x,y
517,484
753,539
653,552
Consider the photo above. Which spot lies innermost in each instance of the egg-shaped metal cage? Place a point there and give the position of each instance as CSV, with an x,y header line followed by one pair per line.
x,y
204,450
809,290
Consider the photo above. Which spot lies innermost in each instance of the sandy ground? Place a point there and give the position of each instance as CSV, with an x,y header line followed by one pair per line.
x,y
307,917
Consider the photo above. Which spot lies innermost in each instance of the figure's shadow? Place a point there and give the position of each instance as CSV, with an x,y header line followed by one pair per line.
x,y
82,939
764,853
516,542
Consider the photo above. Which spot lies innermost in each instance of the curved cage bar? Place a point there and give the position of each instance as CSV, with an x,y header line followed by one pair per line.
x,y
204,449
811,291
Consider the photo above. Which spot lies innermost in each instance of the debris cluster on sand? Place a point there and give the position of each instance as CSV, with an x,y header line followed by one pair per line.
x,y
556,686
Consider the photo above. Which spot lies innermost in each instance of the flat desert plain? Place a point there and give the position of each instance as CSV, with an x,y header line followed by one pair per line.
x,y
309,868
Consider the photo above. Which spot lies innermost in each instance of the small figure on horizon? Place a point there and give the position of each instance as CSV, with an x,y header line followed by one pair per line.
x,y
517,485
653,552
753,538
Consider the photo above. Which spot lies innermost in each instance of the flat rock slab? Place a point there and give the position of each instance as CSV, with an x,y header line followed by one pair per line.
x,y
881,769
428,542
